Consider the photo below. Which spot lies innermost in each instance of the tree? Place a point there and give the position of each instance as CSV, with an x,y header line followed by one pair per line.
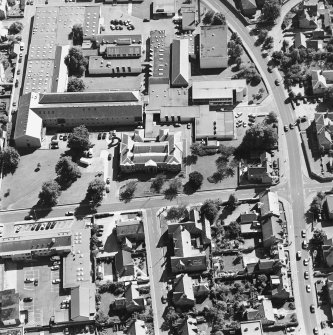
x,y
76,62
75,85
79,139
176,213
15,28
3,119
158,183
210,209
259,137
9,160
268,43
233,230
173,189
271,10
235,37
67,170
262,36
50,192
195,179
218,19
128,192
171,317
319,236
234,50
262,278
207,19
233,200
250,74
316,205
271,118
77,33
95,191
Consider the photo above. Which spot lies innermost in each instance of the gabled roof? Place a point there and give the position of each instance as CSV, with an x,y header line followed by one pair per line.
x,y
124,263
269,204
300,40
248,4
180,63
183,288
138,327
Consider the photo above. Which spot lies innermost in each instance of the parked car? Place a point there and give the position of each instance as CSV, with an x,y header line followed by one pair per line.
x,y
164,299
27,299
109,157
298,255
28,217
306,274
65,138
312,308
99,136
55,258
108,180
285,128
308,288
104,136
270,69
277,83
188,126
315,331
306,261
107,189
304,244
69,213
29,280
55,267
291,126
56,281
177,125
303,232
36,282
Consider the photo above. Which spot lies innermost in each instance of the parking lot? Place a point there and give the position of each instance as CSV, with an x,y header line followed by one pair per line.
x,y
46,296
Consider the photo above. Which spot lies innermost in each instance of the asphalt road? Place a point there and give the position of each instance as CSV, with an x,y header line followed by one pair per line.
x,y
295,188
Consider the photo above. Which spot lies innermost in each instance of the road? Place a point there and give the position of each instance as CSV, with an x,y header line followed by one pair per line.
x,y
295,187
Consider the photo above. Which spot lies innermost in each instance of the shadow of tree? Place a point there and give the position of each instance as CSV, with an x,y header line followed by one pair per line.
x,y
189,188
190,160
39,211
85,208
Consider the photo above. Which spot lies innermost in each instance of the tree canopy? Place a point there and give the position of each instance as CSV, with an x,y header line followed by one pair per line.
x,y
259,137
173,189
210,209
195,179
250,74
318,236
95,191
77,34
158,183
128,192
214,18
79,138
271,118
9,159
76,62
75,85
15,28
271,10
50,192
67,170
176,213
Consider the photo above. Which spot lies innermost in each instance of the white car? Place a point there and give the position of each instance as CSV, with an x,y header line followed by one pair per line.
x,y
306,261
55,267
238,114
308,288
303,232
29,280
299,255
56,281
304,244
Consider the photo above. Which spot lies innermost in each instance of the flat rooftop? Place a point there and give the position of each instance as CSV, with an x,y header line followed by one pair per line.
x,y
160,49
214,41
99,64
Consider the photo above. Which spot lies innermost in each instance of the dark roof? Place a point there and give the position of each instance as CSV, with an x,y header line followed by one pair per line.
x,y
179,69
13,245
57,68
118,39
124,263
123,50
86,97
248,4
22,115
248,217
329,203
133,227
272,227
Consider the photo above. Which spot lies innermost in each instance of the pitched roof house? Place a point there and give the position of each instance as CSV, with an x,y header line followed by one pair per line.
x,y
269,204
187,257
264,312
248,7
323,130
248,217
183,294
272,231
189,327
180,63
305,20
138,154
131,229
124,264
300,40
131,301
83,303
138,327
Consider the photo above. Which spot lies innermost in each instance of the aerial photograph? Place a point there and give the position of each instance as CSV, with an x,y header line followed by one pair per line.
x,y
166,167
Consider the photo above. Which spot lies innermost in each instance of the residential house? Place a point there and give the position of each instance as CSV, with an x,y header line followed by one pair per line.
x,y
306,21
248,7
131,301
180,70
9,308
269,204
189,327
140,154
200,288
327,250
131,229
318,34
263,312
251,328
197,225
263,173
248,217
315,44
311,6
321,81
328,206
323,128
250,229
137,327
213,47
300,40
189,17
189,255
182,294
124,265
272,231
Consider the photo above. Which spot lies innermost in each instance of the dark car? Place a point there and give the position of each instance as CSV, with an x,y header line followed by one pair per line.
x,y
270,69
99,136
277,83
312,308
36,282
27,299
28,217
109,157
104,136
65,138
